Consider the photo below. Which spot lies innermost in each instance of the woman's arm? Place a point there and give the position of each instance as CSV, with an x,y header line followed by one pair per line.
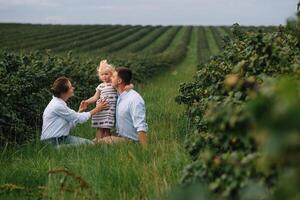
x,y
71,115
76,117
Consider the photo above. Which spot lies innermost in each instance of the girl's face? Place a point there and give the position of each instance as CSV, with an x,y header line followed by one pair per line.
x,y
105,75
115,80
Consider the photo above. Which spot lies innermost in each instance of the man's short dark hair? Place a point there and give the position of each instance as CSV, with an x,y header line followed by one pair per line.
x,y
60,86
125,74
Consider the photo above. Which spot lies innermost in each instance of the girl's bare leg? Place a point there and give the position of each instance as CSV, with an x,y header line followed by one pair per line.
x,y
106,132
99,133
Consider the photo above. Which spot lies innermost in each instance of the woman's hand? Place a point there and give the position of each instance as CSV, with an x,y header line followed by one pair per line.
x,y
83,106
102,104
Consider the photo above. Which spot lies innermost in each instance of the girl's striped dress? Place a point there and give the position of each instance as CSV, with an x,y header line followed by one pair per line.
x,y
106,118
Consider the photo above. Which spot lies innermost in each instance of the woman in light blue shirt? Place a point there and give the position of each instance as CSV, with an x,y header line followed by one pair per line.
x,y
58,118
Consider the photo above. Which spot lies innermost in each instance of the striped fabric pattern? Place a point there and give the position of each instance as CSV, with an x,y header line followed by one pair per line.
x,y
106,118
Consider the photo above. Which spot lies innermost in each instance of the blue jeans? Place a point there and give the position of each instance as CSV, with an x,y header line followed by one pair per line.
x,y
68,140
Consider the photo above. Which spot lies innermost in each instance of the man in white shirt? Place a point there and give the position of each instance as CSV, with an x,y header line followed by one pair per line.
x,y
58,118
131,122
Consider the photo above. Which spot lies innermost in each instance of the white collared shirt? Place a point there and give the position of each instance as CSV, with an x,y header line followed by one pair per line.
x,y
58,119
130,115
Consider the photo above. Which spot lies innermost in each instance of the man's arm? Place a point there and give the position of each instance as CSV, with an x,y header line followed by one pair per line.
x,y
138,114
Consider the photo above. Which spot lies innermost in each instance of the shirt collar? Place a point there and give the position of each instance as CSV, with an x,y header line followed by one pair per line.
x,y
123,93
59,100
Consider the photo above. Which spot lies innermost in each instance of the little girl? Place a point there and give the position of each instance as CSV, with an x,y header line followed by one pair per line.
x,y
105,120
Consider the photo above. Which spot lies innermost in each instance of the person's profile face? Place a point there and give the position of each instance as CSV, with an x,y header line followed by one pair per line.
x,y
70,92
115,79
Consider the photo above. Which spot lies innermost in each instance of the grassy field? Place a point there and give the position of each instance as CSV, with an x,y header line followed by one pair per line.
x,y
91,39
125,171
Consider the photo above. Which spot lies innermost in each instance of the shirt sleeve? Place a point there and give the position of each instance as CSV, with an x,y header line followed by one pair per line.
x,y
98,88
138,114
72,116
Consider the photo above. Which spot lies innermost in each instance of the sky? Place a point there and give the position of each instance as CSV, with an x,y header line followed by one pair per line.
x,y
148,12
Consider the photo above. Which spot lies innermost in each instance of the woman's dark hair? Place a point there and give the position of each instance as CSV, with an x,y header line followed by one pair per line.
x,y
60,86
125,74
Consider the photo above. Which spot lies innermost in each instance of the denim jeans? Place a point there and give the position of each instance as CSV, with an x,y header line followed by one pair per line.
x,y
68,140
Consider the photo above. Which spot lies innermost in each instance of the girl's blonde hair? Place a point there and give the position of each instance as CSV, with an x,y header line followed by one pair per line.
x,y
104,65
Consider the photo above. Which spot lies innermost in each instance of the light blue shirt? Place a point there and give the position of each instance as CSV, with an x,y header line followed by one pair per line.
x,y
58,119
130,115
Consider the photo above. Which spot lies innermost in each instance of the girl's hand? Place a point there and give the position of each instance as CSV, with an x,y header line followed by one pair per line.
x,y
86,102
129,87
83,106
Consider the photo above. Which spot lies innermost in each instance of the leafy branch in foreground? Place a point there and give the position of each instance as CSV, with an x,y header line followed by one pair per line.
x,y
242,110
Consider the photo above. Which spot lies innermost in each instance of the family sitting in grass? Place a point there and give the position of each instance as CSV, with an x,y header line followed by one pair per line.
x,y
117,105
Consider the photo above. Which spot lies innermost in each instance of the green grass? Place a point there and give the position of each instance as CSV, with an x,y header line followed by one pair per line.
x,y
134,37
203,50
176,40
163,42
124,171
146,41
98,44
212,43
